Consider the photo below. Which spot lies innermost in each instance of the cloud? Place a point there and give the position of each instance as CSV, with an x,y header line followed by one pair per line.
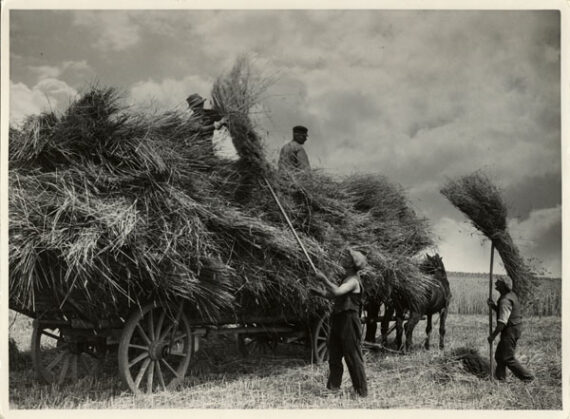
x,y
48,94
46,71
69,69
168,93
114,30
538,239
462,247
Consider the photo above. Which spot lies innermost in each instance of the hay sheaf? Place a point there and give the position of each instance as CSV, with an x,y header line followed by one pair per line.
x,y
109,208
481,201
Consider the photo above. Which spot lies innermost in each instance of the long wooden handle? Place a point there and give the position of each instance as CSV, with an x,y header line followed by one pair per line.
x,y
491,312
289,223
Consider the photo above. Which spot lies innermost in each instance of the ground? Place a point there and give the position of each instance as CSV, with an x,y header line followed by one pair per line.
x,y
220,377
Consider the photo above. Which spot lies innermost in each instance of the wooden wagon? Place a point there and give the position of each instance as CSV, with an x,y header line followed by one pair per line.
x,y
155,343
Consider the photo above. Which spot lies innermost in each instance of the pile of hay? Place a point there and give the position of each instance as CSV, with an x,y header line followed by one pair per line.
x,y
480,200
461,364
109,209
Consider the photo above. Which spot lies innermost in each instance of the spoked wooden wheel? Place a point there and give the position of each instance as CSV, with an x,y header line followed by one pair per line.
x,y
155,349
255,345
64,356
320,337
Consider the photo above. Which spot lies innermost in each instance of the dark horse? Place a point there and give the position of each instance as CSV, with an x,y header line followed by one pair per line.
x,y
437,301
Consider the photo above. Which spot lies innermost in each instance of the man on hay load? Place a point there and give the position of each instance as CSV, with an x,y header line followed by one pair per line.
x,y
345,332
509,322
293,155
206,121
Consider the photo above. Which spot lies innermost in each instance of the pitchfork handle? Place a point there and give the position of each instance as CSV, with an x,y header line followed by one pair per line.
x,y
289,223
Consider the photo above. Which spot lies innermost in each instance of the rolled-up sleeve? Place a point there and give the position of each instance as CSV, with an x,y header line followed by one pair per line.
x,y
505,308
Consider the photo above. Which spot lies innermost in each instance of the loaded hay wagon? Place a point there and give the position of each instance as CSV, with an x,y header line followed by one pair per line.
x,y
155,343
126,229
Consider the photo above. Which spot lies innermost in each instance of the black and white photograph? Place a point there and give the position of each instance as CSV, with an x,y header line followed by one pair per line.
x,y
232,207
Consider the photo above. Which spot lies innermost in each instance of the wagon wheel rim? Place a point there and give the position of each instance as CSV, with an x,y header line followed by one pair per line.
x,y
320,339
59,358
154,350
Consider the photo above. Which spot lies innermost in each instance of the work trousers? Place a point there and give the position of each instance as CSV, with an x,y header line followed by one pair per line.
x,y
505,355
344,341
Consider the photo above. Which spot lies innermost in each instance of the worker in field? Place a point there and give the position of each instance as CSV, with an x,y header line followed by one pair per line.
x,y
509,325
293,155
204,121
346,330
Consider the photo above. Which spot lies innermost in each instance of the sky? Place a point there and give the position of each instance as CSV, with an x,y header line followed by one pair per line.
x,y
417,96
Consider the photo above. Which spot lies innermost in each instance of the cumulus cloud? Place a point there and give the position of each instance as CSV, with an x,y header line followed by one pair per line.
x,y
463,248
48,94
537,237
168,93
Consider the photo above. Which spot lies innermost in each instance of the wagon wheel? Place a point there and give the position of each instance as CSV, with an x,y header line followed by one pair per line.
x,y
61,356
249,345
155,349
320,336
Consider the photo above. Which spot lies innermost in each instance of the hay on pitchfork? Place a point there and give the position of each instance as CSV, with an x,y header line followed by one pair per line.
x,y
481,201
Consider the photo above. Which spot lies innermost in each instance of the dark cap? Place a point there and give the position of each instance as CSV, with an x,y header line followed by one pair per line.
x,y
506,281
300,129
195,100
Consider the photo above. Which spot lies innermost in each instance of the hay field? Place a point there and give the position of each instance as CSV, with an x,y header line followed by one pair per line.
x,y
470,291
220,378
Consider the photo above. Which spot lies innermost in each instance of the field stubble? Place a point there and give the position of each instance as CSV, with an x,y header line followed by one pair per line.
x,y
220,378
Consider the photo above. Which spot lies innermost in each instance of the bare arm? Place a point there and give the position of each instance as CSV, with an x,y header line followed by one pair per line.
x,y
351,285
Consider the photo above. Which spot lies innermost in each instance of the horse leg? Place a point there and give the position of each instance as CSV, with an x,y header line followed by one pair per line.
x,y
385,324
372,310
428,331
399,329
442,318
410,325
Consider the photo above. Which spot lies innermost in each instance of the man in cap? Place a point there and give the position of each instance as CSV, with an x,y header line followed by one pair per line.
x,y
293,155
346,330
205,121
509,324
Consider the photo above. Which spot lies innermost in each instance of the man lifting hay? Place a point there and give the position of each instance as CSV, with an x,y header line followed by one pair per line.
x,y
509,325
345,332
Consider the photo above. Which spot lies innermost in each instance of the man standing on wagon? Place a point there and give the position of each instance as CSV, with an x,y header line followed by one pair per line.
x,y
346,330
509,324
293,155
205,121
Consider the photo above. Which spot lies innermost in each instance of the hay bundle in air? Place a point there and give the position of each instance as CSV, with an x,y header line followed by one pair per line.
x,y
110,208
481,201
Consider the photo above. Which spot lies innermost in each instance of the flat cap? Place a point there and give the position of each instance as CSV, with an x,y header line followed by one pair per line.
x,y
301,129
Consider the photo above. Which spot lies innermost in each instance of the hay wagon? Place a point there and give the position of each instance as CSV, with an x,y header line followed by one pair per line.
x,y
154,343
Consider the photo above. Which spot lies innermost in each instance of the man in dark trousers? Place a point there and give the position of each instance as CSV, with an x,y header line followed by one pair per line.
x,y
346,330
509,324
293,155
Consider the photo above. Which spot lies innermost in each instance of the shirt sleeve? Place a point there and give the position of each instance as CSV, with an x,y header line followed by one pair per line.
x,y
303,159
505,308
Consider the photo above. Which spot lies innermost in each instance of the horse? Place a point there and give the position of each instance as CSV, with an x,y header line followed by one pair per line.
x,y
437,301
